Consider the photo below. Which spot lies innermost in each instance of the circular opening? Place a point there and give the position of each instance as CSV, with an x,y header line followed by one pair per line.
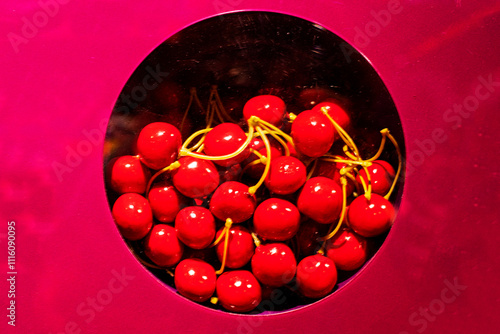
x,y
203,76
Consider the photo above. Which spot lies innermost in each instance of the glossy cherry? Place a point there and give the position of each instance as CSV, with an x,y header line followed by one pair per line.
x,y
240,247
388,168
195,178
336,112
309,235
166,201
274,264
320,199
129,175
258,145
195,279
133,216
269,108
276,219
286,175
316,276
380,178
372,217
223,139
158,144
195,227
232,200
238,291
347,250
162,246
313,133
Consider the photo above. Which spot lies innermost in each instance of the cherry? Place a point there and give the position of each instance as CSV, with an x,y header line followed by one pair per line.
x,y
166,201
195,227
133,216
286,175
258,145
129,175
336,112
320,199
276,219
388,168
370,218
316,276
232,200
226,138
347,250
269,108
308,236
158,144
313,133
162,246
380,178
238,291
331,170
195,178
274,264
240,247
195,279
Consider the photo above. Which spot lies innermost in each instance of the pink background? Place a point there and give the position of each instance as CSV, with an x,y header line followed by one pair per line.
x,y
60,85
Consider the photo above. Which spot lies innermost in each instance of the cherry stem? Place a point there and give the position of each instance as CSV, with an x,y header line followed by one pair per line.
x,y
384,133
366,188
292,117
172,166
343,134
256,239
400,164
227,227
252,190
313,168
192,137
186,152
269,126
331,233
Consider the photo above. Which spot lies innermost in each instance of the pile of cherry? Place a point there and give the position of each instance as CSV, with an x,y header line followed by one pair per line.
x,y
269,199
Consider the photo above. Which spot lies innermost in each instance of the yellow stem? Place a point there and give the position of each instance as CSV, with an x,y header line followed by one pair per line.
x,y
227,227
400,164
192,137
252,190
269,126
313,168
384,133
341,219
256,239
172,166
342,133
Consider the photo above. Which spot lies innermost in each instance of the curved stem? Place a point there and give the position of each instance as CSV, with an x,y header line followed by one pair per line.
x,y
172,166
384,133
192,137
342,133
252,190
400,164
226,233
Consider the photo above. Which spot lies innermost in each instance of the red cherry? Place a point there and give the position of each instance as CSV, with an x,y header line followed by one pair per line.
x,y
195,227
316,276
158,144
388,168
133,216
162,246
370,218
347,250
286,175
195,279
129,175
336,112
380,179
269,108
223,139
308,236
313,133
166,201
310,97
232,200
276,219
321,200
238,291
195,178
258,145
274,264
240,247
331,170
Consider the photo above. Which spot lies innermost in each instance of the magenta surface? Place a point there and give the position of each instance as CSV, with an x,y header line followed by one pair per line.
x,y
436,272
